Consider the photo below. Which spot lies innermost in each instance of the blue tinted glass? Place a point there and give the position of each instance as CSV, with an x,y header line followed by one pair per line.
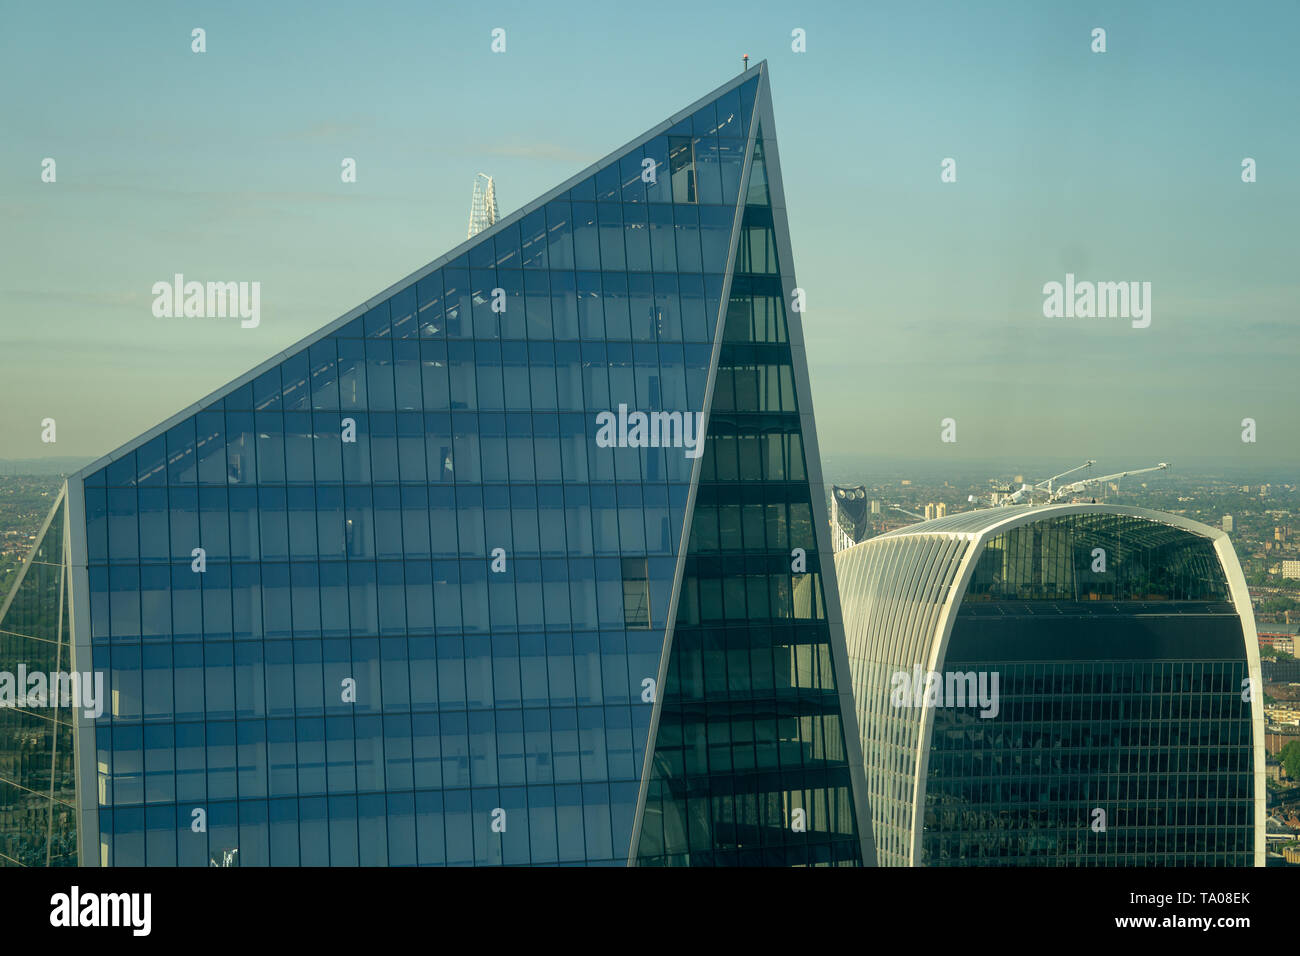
x,y
663,247
708,169
402,311
348,502
407,375
559,234
610,219
636,237
429,306
537,304
586,239
456,301
508,254
533,237
608,186
482,255
376,324
268,391
485,303
705,120
631,172
564,305
659,188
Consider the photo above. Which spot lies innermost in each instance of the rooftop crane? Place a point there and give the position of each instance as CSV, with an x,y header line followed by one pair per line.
x,y
1077,486
1087,464
1027,492
1019,495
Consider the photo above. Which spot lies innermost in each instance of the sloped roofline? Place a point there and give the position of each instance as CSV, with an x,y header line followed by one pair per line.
x,y
122,451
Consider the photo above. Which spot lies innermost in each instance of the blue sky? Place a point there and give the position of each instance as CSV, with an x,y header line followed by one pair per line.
x,y
924,298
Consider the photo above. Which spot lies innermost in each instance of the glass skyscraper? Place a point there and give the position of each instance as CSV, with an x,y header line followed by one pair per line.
x,y
523,561
1096,691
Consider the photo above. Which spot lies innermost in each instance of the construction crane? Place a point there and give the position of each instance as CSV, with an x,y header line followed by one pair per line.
x,y
1019,495
1048,483
1077,486
1011,497
483,206
1025,493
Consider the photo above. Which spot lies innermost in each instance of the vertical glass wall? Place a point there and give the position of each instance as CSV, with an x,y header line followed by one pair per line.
x,y
1096,763
1121,736
37,793
749,764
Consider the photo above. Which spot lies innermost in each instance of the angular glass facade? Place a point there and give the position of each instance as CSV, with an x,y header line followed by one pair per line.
x,y
750,732
1121,731
404,596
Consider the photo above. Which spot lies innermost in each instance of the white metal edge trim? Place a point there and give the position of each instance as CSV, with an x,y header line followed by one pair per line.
x,y
83,728
1240,592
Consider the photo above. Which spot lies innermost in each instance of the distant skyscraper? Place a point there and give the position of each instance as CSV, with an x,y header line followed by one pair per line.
x,y
1090,706
1227,523
929,511
483,205
875,507
940,510
451,584
849,523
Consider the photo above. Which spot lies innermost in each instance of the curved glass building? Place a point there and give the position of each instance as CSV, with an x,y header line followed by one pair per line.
x,y
522,561
1062,685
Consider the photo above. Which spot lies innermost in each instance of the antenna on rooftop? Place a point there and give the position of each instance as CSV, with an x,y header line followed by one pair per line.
x,y
745,57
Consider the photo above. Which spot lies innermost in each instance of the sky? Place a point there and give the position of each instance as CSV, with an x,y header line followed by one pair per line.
x,y
924,298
